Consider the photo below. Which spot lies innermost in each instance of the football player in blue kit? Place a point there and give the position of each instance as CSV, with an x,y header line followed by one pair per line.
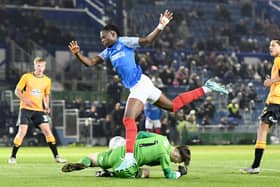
x,y
120,51
153,118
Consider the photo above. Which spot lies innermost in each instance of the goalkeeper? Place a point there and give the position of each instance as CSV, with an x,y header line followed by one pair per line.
x,y
150,149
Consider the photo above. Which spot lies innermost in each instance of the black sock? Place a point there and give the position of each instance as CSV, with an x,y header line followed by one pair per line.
x,y
258,157
53,149
14,151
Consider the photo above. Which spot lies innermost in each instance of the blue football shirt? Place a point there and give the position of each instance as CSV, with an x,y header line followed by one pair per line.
x,y
122,57
153,112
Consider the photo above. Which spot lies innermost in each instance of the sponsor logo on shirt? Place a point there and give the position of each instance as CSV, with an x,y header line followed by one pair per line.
x,y
35,92
117,55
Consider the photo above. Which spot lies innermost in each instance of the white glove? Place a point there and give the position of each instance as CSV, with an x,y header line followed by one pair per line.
x,y
178,174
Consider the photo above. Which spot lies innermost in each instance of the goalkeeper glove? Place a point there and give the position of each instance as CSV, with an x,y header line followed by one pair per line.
x,y
177,175
104,173
182,170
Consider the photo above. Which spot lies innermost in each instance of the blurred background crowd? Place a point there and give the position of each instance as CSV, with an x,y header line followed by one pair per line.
x,y
226,40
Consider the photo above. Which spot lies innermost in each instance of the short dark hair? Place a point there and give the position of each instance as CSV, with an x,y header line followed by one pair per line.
x,y
111,27
185,154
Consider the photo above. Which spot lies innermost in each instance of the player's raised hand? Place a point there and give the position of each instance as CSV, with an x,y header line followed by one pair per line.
x,y
165,18
74,47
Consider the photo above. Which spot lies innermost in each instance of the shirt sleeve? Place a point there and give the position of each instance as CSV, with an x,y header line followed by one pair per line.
x,y
169,174
277,61
131,42
104,55
22,82
165,165
48,88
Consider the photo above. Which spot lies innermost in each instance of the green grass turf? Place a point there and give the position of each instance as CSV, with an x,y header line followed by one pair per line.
x,y
216,166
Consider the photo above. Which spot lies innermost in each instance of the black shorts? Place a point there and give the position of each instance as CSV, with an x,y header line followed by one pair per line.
x,y
271,114
32,117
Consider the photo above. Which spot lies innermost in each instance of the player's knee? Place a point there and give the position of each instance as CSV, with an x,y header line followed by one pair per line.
x,y
169,106
22,132
21,135
50,139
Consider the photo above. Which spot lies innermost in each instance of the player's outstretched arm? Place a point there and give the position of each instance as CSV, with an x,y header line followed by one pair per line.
x,y
164,19
75,50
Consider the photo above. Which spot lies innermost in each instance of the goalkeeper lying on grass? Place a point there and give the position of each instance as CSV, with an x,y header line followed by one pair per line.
x,y
150,149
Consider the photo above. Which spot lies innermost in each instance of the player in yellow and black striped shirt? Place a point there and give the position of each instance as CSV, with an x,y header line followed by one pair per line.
x,y
33,90
271,111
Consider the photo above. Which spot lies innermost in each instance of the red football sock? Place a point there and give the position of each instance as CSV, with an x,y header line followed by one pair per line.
x,y
158,130
130,133
186,98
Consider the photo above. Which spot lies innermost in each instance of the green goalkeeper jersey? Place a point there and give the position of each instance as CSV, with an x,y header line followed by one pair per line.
x,y
150,149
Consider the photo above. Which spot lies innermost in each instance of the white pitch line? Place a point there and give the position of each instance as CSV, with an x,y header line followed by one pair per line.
x,y
277,170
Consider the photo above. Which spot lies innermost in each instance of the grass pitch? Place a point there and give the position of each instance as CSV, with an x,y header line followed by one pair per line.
x,y
216,166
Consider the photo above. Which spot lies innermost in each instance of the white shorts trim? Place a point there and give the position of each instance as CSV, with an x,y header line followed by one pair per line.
x,y
145,90
150,124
